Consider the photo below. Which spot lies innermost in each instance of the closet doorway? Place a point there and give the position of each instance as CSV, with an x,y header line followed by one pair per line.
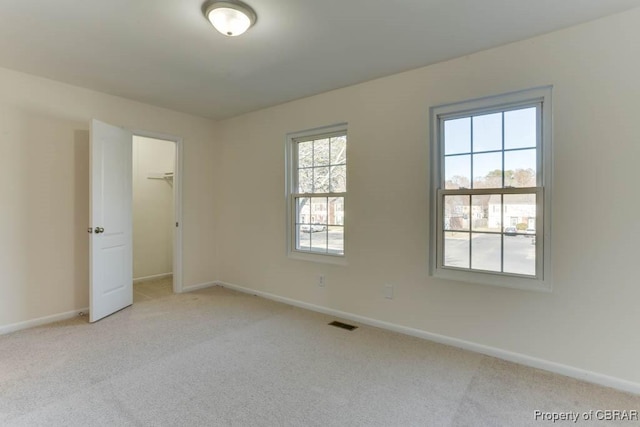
x,y
156,216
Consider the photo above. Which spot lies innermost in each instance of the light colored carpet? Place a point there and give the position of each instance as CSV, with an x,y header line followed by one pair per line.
x,y
151,289
216,357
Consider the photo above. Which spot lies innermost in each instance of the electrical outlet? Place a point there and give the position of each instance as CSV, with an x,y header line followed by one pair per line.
x,y
321,281
388,291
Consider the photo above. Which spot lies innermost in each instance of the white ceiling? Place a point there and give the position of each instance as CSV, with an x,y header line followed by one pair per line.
x,y
164,52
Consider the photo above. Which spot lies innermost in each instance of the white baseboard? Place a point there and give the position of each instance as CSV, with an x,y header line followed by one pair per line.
x,y
6,329
522,359
152,277
199,286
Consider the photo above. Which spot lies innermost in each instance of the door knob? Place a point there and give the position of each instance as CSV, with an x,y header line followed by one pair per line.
x,y
99,230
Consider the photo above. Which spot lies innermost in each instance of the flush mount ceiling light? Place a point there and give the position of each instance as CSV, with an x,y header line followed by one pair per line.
x,y
231,18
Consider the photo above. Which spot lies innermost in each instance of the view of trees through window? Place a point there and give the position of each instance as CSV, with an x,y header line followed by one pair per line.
x,y
320,190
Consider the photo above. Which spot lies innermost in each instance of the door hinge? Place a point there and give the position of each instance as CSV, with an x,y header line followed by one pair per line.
x,y
176,224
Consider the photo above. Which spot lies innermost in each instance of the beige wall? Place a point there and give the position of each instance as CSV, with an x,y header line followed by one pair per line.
x,y
44,188
153,209
590,320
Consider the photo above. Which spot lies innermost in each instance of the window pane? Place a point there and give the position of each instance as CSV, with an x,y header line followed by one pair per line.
x,y
321,152
487,132
456,212
338,179
456,249
519,213
486,251
457,172
494,213
520,128
338,150
336,211
487,170
303,210
318,239
321,180
303,242
305,154
520,255
486,213
319,210
457,136
336,240
305,181
520,168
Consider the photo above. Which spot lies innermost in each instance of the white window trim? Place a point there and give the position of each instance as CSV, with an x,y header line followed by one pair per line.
x,y
290,169
543,280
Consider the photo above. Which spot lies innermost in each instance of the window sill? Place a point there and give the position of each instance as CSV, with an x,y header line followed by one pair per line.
x,y
320,258
503,281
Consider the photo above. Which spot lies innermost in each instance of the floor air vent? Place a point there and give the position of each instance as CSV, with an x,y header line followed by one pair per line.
x,y
343,325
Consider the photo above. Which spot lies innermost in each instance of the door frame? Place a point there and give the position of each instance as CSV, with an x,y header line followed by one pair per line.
x,y
177,203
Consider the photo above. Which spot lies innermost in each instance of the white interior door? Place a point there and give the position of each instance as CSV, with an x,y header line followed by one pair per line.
x,y
111,275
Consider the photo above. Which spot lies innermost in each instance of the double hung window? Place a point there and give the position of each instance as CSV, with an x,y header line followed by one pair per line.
x,y
317,191
491,163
